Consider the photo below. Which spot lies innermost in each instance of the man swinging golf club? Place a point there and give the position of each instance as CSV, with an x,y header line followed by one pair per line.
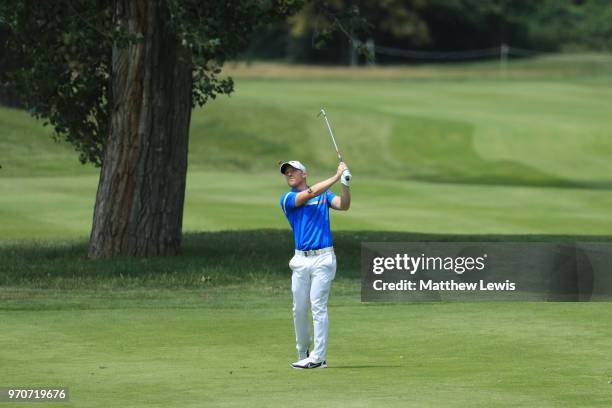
x,y
314,263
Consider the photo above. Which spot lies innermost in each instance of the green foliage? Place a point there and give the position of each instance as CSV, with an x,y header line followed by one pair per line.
x,y
64,54
425,24
64,49
215,31
450,25
572,24
400,19
595,28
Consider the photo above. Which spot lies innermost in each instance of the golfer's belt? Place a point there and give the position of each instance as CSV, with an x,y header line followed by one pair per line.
x,y
313,252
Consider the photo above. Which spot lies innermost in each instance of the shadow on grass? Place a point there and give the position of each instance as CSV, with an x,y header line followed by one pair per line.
x,y
207,259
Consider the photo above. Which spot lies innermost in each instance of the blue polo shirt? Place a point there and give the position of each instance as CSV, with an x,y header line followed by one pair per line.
x,y
310,221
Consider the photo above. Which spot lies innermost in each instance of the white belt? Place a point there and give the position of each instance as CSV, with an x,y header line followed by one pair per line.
x,y
315,251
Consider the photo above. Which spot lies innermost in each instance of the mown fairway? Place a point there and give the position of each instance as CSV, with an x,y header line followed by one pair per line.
x,y
526,155
175,350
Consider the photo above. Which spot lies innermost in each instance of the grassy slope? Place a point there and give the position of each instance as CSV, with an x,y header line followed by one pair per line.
x,y
60,207
472,131
458,152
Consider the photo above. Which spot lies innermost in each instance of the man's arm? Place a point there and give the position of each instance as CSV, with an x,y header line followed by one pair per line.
x,y
343,202
319,188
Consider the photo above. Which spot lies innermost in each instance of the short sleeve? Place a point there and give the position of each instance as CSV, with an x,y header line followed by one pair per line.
x,y
330,196
287,201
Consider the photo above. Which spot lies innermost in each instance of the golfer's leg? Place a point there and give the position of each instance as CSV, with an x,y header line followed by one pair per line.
x,y
322,278
300,287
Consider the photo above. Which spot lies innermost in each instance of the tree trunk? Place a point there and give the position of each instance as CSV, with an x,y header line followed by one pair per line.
x,y
139,204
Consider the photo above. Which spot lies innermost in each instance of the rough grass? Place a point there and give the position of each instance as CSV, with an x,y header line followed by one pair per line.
x,y
207,260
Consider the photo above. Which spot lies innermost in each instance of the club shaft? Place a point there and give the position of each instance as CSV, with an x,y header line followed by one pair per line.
x,y
331,133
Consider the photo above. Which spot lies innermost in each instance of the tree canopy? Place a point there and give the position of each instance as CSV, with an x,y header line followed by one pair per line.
x,y
64,48
444,25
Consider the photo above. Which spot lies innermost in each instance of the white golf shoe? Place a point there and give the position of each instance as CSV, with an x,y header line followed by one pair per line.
x,y
307,363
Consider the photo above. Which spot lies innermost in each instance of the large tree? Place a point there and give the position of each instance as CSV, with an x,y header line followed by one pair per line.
x,y
118,80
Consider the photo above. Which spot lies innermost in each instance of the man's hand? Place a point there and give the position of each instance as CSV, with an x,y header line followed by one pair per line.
x,y
341,168
343,202
346,178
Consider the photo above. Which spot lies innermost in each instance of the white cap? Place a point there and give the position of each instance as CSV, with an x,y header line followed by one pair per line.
x,y
293,163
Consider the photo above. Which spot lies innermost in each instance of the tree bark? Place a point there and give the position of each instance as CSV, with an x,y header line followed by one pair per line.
x,y
139,204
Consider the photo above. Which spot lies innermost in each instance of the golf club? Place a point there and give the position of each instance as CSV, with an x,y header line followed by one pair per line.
x,y
322,112
331,133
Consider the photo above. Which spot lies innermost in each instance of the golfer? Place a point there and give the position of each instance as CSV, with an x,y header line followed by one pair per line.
x,y
314,263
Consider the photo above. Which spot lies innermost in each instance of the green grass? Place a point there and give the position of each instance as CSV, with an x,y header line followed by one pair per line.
x,y
213,327
525,152
207,260
457,152
473,131
192,348
62,206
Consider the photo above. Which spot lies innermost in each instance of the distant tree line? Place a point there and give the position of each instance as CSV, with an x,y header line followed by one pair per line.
x,y
8,61
440,25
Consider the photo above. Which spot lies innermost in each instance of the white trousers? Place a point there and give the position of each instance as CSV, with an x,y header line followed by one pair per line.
x,y
310,284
